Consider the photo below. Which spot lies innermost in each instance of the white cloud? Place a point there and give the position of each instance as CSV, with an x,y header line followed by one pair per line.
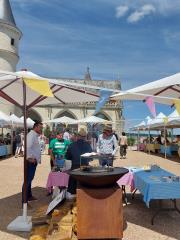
x,y
166,7
162,6
142,8
141,13
121,11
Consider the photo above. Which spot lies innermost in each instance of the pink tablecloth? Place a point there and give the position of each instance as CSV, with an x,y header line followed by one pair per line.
x,y
57,179
141,147
127,180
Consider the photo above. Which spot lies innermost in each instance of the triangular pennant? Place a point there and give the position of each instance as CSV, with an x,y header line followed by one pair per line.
x,y
165,119
40,86
177,105
104,96
151,105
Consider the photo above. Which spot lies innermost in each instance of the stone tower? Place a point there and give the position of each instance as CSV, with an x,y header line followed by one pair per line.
x,y
9,38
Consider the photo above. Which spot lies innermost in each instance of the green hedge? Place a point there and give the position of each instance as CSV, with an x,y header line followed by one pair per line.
x,y
131,141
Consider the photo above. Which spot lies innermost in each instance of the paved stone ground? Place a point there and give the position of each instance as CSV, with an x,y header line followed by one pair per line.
x,y
137,216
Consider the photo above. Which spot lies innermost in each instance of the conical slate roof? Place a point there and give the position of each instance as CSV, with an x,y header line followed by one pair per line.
x,y
6,14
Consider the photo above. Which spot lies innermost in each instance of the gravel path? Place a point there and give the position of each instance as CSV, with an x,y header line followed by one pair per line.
x,y
137,216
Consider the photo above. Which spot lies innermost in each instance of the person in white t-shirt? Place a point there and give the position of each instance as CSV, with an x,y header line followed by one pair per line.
x,y
123,145
66,135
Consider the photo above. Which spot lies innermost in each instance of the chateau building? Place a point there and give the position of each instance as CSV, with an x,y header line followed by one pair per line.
x,y
10,36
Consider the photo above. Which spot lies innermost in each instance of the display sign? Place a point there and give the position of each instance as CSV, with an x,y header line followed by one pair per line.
x,y
56,201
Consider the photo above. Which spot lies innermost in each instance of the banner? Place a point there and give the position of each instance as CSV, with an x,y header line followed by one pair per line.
x,y
40,86
151,105
104,96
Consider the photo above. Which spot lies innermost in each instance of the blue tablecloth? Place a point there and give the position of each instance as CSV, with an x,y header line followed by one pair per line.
x,y
151,185
3,150
169,149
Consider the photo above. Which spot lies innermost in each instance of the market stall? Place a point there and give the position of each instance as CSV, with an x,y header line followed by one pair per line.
x,y
3,150
153,147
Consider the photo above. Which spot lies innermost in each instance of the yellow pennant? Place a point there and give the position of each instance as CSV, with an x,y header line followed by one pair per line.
x,y
40,86
177,105
165,119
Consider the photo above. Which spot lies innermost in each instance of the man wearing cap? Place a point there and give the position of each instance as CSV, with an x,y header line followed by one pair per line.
x,y
107,146
74,151
58,146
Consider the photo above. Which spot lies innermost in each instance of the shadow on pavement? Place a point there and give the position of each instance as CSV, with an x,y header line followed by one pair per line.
x,y
166,223
136,212
10,208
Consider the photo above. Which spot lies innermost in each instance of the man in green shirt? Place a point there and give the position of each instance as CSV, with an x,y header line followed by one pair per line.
x,y
58,147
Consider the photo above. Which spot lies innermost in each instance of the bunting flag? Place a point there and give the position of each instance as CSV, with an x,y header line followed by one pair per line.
x,y
177,105
104,96
40,86
151,105
165,119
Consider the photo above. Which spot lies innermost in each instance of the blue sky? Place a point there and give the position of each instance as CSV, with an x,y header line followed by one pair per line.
x,y
134,41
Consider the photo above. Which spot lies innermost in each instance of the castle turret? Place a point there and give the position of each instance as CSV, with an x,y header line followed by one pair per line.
x,y
9,38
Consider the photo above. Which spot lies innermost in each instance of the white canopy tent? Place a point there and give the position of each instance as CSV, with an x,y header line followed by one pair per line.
x,y
173,116
29,122
144,125
140,126
174,120
157,122
93,120
163,91
16,121
148,121
63,120
5,120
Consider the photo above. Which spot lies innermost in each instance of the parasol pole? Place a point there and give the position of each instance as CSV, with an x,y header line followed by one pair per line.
x,y
149,139
23,223
12,138
138,139
25,153
165,143
172,135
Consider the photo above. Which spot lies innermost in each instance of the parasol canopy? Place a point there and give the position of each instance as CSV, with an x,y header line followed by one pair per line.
x,y
41,91
163,91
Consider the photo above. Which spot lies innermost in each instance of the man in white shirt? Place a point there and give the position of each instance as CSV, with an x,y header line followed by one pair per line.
x,y
107,146
33,157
